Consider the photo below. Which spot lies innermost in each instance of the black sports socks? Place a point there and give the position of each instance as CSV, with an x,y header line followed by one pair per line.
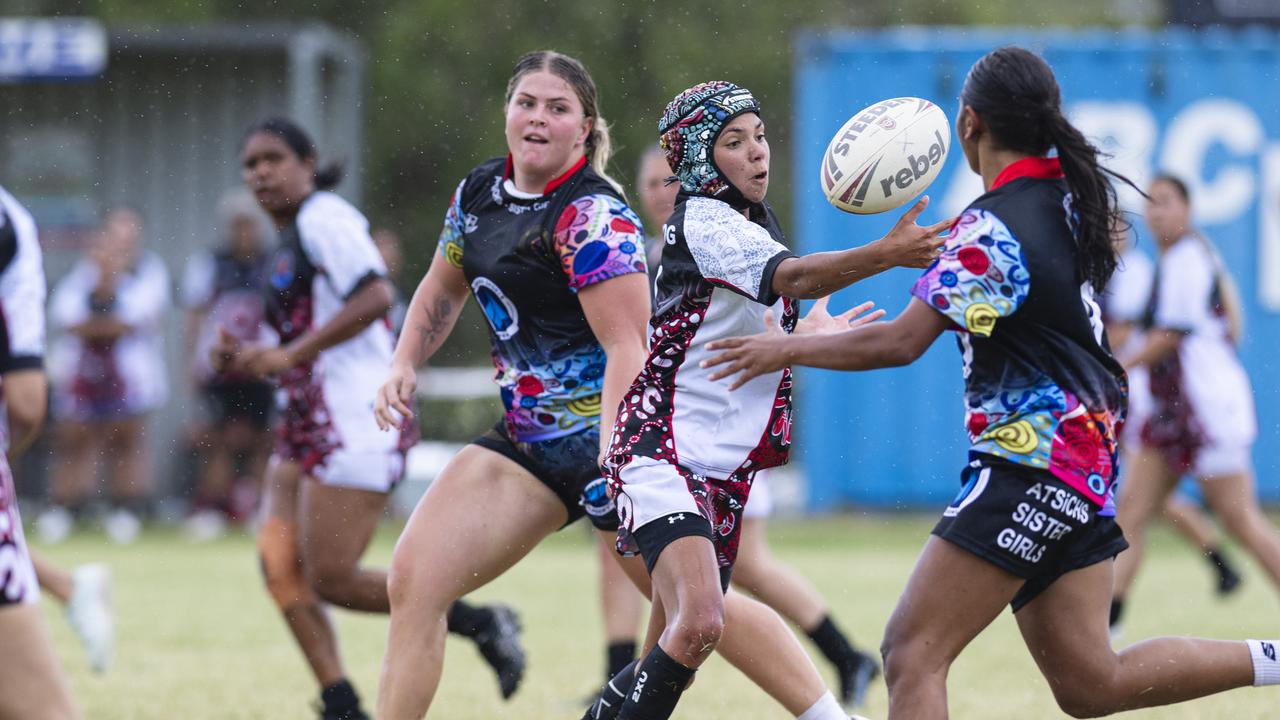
x,y
340,702
609,703
619,655
657,688
467,620
1228,578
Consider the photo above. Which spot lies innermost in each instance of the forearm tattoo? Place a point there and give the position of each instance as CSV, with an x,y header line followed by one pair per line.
x,y
436,324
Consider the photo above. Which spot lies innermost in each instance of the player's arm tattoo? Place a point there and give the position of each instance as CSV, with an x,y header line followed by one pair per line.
x,y
436,324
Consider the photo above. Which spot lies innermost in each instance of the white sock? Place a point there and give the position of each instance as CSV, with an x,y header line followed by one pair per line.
x,y
1266,661
825,709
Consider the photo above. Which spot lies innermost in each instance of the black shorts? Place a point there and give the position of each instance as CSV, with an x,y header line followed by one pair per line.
x,y
566,465
1027,522
240,400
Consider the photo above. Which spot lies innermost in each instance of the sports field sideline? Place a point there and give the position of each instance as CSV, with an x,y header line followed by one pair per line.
x,y
198,639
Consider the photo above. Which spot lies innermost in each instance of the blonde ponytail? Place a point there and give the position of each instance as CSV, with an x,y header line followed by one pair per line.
x,y
599,148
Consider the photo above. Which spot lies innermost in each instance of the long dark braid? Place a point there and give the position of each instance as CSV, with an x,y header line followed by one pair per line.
x,y
1015,93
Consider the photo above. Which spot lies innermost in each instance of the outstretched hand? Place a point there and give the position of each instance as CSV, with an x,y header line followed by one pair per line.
x,y
820,320
912,245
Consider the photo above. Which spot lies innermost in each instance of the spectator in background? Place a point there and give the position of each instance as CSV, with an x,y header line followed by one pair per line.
x,y
108,374
657,201
226,288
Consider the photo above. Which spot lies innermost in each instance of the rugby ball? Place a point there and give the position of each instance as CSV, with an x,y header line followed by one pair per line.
x,y
885,155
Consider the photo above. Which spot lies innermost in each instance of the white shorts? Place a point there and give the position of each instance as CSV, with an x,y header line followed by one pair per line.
x,y
652,489
1218,459
377,471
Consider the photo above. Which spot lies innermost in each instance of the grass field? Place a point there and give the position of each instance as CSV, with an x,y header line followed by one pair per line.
x,y
198,638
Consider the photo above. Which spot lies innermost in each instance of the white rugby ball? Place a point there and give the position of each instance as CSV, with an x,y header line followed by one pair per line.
x,y
885,155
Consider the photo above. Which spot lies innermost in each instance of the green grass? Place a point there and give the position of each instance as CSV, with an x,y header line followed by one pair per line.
x,y
199,639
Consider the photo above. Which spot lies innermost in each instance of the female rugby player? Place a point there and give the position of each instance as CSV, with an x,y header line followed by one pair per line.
x,y
331,471
1033,526
683,454
1202,418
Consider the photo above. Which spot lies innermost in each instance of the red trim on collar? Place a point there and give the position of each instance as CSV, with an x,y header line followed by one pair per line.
x,y
1040,168
506,173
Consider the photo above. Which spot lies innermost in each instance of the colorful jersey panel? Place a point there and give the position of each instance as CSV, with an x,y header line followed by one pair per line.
x,y
1041,387
980,277
525,258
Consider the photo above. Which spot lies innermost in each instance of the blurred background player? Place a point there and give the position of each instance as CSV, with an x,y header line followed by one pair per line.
x,y
331,471
32,683
225,289
1123,306
1201,420
758,571
108,371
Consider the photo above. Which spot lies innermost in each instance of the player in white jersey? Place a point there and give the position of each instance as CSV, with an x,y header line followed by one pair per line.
x,y
108,373
332,470
1123,307
32,683
1202,419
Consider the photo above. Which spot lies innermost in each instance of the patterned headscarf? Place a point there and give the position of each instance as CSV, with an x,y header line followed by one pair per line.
x,y
689,128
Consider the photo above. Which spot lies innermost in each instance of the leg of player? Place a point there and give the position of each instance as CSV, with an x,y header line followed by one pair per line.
x,y
1187,518
686,581
128,464
755,641
1066,631
479,518
33,685
788,592
72,480
621,606
282,571
335,525
85,593
1234,500
1142,495
950,597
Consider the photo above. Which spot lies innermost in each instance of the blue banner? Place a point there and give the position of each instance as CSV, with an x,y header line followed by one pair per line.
x,y
51,49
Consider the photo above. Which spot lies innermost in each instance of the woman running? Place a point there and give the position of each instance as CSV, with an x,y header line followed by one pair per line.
x,y
331,471
1202,418
550,250
1033,526
683,454
1123,306
32,683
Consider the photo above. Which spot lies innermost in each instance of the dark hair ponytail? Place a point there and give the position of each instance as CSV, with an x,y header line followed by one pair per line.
x,y
327,176
1015,93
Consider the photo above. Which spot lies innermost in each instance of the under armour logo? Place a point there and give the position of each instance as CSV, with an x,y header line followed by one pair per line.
x,y
672,521
1269,650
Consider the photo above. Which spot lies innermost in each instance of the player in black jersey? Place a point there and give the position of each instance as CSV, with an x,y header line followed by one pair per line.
x,y
1033,526
683,454
331,471
548,247
32,682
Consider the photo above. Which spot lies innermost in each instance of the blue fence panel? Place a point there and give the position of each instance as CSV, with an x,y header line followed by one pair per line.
x,y
1201,105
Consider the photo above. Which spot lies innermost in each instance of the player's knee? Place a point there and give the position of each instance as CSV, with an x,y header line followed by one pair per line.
x,y
698,627
905,657
281,565
408,583
1087,690
331,581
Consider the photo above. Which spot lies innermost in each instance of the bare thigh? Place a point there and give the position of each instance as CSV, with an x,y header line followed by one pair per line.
x,y
479,518
280,490
32,683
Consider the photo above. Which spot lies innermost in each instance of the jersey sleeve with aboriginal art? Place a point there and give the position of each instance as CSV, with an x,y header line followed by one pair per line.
x,y
335,237
1040,389
731,251
454,231
598,237
981,276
